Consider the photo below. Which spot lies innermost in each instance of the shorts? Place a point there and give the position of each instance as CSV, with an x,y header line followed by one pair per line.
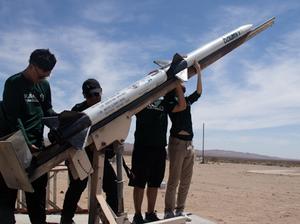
x,y
148,166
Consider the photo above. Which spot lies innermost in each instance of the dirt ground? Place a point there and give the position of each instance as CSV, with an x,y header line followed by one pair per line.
x,y
228,193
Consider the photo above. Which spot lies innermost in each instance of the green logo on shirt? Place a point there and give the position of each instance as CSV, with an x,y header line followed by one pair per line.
x,y
30,98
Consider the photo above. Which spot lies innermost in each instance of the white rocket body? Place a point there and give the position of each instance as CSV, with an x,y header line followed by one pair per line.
x,y
101,110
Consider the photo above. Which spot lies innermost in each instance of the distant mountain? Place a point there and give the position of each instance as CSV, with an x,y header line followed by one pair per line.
x,y
236,155
218,153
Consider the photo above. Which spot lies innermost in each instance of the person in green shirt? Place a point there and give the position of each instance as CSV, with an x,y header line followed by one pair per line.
x,y
26,100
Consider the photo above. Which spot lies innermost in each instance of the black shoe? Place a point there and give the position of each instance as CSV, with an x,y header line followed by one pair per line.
x,y
137,219
151,217
62,221
179,213
169,215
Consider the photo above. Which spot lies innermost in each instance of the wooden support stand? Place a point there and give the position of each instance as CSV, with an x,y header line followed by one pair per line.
x,y
15,161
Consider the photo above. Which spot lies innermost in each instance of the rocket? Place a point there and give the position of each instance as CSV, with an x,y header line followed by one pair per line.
x,y
75,127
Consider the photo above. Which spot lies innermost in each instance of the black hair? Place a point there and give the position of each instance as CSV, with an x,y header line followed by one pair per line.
x,y
43,59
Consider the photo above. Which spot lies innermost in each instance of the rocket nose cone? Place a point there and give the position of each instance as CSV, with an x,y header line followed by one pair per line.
x,y
245,28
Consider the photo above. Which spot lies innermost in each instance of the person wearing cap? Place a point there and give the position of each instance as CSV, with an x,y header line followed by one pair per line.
x,y
181,152
26,99
92,93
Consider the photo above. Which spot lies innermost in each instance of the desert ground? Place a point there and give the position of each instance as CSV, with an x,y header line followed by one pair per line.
x,y
229,193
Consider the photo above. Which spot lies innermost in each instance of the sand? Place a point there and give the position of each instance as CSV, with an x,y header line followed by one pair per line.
x,y
229,193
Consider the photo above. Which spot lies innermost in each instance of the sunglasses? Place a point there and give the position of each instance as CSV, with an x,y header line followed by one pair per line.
x,y
92,95
41,73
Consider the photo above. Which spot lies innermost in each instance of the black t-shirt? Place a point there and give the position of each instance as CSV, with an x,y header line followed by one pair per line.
x,y
152,123
29,102
79,107
183,120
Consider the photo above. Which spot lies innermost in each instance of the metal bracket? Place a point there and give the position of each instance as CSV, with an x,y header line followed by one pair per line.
x,y
120,128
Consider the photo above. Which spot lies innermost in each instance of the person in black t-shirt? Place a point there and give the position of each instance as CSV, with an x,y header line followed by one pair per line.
x,y
181,152
26,99
149,154
92,92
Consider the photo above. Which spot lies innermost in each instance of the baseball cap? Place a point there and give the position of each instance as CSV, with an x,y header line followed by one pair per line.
x,y
91,86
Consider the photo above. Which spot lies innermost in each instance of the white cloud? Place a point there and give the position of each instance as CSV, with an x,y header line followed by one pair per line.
x,y
227,17
270,96
255,14
82,53
112,12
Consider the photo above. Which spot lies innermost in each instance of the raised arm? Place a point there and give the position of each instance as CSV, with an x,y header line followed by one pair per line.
x,y
199,81
196,69
181,100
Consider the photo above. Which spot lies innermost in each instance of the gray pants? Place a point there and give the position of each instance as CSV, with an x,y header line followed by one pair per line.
x,y
181,156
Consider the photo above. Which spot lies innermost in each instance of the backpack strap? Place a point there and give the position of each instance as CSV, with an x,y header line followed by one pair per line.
x,y
128,171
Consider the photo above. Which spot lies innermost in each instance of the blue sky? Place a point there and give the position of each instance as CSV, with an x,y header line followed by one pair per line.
x,y
251,98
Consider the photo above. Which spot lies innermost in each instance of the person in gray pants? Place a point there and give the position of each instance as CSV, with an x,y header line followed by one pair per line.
x,y
181,152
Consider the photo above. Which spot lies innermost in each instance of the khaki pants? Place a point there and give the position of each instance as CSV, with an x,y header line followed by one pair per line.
x,y
181,156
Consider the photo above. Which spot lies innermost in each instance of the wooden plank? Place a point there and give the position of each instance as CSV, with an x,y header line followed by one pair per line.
x,y
106,215
11,168
47,166
79,163
73,171
21,149
96,184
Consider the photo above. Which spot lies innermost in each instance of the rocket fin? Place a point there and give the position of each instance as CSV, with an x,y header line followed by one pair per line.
x,y
68,117
183,75
176,59
177,65
51,122
162,63
79,140
63,119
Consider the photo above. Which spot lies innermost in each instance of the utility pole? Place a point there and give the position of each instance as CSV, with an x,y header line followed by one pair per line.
x,y
203,144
